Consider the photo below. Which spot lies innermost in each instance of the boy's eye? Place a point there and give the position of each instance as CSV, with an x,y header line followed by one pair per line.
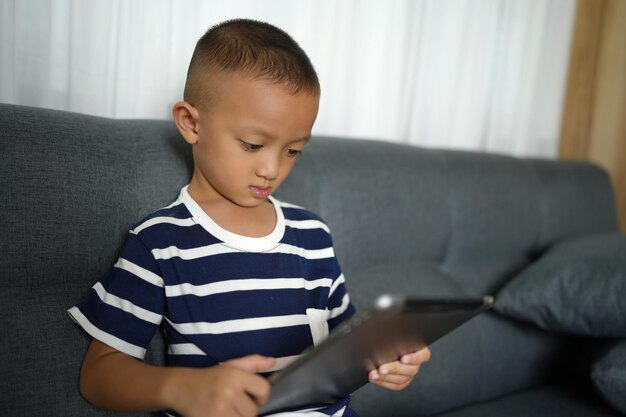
x,y
250,147
294,152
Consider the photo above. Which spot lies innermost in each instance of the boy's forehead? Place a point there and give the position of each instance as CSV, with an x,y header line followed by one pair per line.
x,y
223,85
256,105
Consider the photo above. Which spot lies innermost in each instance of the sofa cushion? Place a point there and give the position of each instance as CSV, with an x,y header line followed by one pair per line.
x,y
562,399
578,287
608,375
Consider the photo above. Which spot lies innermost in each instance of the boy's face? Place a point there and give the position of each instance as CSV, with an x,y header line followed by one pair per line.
x,y
249,139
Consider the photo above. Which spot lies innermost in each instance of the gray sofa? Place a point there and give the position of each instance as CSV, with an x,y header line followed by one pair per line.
x,y
434,223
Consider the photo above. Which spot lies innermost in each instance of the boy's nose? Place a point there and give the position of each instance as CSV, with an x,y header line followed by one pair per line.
x,y
268,168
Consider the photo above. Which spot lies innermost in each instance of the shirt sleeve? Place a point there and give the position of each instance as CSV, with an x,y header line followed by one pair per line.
x,y
125,308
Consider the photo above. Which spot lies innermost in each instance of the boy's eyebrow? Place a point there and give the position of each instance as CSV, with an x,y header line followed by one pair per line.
x,y
262,132
304,139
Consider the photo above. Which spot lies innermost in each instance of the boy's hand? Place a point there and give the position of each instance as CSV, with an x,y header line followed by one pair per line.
x,y
231,389
399,374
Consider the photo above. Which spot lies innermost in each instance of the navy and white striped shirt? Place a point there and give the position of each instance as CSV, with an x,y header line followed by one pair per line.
x,y
218,295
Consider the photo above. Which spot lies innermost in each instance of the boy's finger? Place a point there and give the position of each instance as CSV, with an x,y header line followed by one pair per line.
x,y
416,358
252,363
257,388
393,382
393,379
397,368
246,407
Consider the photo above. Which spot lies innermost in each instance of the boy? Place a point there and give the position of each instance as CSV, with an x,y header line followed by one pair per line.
x,y
239,282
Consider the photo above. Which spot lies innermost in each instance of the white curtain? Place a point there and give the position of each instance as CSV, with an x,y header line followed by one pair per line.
x,y
469,74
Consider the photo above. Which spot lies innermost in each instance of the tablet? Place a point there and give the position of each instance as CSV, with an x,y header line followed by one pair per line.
x,y
391,327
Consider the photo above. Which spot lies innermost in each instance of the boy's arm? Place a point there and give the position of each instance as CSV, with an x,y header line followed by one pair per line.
x,y
113,380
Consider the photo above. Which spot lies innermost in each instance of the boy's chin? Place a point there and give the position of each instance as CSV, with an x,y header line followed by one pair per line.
x,y
250,203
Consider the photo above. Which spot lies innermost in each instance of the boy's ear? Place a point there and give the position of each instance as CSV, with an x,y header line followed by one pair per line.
x,y
186,117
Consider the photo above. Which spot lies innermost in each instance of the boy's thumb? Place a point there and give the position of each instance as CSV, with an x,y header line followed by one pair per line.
x,y
252,363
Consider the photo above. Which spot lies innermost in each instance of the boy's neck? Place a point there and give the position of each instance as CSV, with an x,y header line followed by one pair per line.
x,y
257,221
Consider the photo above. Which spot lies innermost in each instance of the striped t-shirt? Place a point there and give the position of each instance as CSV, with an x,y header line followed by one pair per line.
x,y
218,295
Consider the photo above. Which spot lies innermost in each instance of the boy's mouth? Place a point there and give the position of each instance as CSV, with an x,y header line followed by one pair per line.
x,y
260,192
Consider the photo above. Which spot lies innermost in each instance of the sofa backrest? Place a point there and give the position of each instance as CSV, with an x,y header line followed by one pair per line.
x,y
478,217
404,219
71,187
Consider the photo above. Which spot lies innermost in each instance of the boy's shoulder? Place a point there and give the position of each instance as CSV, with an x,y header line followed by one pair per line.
x,y
176,212
298,215
296,212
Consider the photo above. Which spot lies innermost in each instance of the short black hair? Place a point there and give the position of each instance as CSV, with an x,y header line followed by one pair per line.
x,y
251,47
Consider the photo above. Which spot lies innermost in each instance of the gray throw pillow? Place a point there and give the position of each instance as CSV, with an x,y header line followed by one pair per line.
x,y
578,286
608,374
